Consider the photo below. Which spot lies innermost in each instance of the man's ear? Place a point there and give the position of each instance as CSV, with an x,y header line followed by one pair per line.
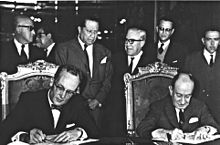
x,y
203,40
142,43
170,90
49,35
173,30
79,29
157,29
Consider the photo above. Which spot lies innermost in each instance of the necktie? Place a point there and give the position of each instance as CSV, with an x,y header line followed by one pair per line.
x,y
160,50
131,65
181,118
211,61
53,106
23,54
87,56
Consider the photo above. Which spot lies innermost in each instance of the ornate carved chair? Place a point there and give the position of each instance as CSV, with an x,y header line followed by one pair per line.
x,y
150,84
30,77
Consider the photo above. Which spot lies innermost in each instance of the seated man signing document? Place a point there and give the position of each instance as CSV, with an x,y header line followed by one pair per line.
x,y
55,115
178,116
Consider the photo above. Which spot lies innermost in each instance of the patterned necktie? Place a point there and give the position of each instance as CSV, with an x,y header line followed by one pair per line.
x,y
160,50
131,65
211,61
181,118
53,106
23,54
87,56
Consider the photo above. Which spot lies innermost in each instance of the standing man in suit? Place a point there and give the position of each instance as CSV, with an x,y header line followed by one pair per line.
x,y
127,61
93,59
44,40
178,113
59,111
166,50
19,50
205,66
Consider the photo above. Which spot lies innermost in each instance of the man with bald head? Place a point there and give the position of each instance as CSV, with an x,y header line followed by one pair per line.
x,y
126,61
19,50
178,113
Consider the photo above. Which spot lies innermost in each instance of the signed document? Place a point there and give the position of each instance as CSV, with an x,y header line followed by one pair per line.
x,y
201,135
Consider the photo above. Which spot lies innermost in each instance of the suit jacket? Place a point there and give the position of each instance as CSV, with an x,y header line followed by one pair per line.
x,y
10,59
99,85
115,104
208,79
162,114
33,111
51,56
175,55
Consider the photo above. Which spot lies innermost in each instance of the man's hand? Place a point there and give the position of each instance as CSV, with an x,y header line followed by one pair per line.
x,y
177,134
37,136
204,132
68,136
93,103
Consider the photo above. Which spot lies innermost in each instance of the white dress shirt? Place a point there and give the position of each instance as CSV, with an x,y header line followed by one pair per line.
x,y
165,48
18,46
89,50
135,60
55,112
208,57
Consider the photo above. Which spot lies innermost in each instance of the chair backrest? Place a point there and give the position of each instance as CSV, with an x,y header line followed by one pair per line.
x,y
150,84
30,77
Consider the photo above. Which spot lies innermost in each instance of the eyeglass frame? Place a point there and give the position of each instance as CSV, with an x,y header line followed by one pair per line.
x,y
131,41
31,28
165,29
39,35
61,88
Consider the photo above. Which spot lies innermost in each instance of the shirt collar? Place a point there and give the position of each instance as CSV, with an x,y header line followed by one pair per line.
x,y
165,43
207,54
136,56
49,48
82,43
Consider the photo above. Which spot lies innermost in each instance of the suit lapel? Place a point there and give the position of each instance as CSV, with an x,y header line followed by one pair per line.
x,y
171,114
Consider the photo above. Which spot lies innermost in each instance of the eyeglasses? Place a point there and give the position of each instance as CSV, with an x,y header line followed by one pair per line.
x,y
131,41
165,29
61,88
31,28
40,35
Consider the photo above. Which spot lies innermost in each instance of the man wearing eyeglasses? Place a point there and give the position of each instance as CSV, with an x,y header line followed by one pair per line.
x,y
56,115
179,116
166,49
19,50
45,41
126,61
93,59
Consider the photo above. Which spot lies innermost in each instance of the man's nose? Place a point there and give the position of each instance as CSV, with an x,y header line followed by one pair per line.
x,y
183,100
63,94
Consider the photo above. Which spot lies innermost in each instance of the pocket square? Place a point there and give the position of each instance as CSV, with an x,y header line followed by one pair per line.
x,y
193,120
175,61
70,125
104,60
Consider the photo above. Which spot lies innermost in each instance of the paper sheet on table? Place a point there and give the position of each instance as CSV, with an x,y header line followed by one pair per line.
x,y
190,141
78,142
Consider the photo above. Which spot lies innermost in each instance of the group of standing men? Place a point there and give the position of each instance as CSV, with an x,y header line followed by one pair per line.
x,y
104,71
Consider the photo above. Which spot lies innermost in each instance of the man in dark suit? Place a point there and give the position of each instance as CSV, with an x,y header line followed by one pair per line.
x,y
93,59
205,66
59,111
19,50
45,41
178,113
126,61
166,49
